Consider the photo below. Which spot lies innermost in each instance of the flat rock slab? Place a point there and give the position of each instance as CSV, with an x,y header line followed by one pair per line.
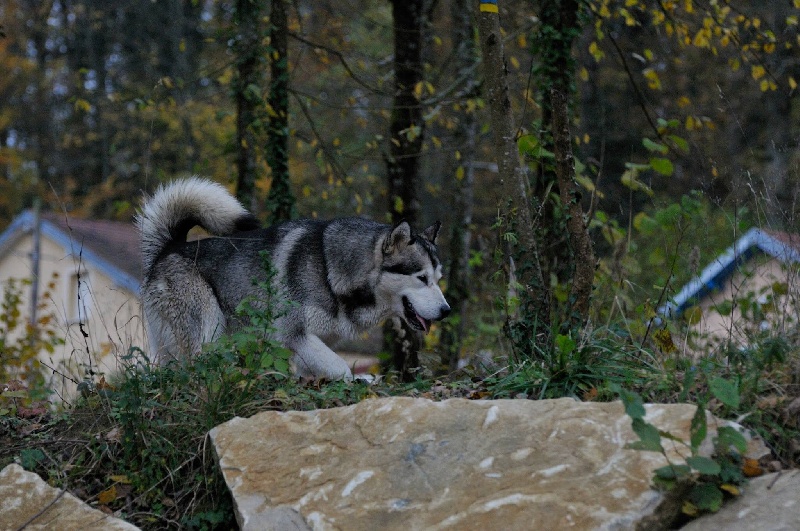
x,y
27,502
768,503
406,463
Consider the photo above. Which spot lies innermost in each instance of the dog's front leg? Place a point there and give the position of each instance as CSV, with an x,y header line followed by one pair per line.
x,y
313,358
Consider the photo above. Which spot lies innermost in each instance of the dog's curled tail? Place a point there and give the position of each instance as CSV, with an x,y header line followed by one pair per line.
x,y
178,206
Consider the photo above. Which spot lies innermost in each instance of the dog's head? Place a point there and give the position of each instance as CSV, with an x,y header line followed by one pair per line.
x,y
410,275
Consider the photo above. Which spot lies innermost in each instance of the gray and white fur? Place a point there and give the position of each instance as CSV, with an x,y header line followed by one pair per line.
x,y
341,276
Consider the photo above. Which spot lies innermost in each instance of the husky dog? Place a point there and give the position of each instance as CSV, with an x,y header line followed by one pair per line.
x,y
339,277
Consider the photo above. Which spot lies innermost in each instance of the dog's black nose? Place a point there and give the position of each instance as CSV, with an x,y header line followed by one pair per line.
x,y
444,311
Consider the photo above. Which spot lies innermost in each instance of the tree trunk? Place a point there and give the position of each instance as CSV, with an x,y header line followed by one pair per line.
x,y
405,145
406,128
574,262
280,202
533,324
247,94
465,137
581,252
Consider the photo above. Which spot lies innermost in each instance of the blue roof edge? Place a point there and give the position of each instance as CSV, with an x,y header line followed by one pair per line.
x,y
712,277
23,224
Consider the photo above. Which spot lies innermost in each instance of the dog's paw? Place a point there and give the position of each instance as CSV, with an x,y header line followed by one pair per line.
x,y
367,378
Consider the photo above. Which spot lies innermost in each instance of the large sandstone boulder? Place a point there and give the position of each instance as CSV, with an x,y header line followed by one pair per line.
x,y
27,502
404,463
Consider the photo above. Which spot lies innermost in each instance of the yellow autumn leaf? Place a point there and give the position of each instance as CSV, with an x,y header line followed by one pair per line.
x,y
730,489
689,509
107,496
757,72
418,88
751,468
596,52
629,19
460,173
82,105
701,39
663,339
792,83
653,81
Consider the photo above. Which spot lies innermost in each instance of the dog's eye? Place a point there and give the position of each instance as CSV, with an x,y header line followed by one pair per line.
x,y
424,279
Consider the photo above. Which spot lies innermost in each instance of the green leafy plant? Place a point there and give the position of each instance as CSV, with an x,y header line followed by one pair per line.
x,y
581,367
22,342
254,341
704,479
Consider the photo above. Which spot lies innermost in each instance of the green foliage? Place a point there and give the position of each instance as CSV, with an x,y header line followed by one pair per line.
x,y
703,479
658,251
21,343
582,367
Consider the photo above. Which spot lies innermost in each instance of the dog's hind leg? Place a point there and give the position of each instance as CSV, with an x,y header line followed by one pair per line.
x,y
313,358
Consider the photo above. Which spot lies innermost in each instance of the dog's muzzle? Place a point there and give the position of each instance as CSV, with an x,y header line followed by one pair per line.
x,y
418,322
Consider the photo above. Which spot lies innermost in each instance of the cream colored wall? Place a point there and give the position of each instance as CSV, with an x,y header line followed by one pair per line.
x,y
110,315
754,280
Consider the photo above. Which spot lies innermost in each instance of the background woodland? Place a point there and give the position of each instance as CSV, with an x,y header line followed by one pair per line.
x,y
380,109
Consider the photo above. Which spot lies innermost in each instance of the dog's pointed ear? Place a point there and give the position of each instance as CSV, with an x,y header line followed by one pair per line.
x,y
431,232
398,238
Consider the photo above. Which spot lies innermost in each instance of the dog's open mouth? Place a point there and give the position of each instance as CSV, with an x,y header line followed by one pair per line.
x,y
413,318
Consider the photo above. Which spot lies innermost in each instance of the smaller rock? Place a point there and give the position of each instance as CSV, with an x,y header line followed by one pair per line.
x,y
768,503
774,466
30,503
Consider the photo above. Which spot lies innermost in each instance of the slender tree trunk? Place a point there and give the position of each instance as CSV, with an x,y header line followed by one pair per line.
x,y
574,262
281,201
534,321
42,130
247,94
465,137
580,243
406,128
405,145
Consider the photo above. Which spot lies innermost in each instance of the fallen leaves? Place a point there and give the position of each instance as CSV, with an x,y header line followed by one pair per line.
x,y
751,468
